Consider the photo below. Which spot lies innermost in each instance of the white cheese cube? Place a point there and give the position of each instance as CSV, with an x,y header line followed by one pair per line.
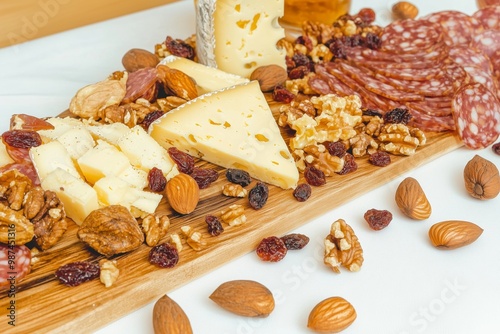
x,y
136,177
61,125
145,201
76,141
109,132
50,156
111,190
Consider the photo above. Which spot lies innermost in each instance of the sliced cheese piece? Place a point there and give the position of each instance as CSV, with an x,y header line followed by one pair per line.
x,y
233,128
79,198
102,160
111,190
145,201
61,125
5,158
136,177
238,36
144,152
207,78
77,141
50,156
109,132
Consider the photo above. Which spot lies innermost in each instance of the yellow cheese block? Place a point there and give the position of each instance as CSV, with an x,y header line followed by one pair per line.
x,y
233,128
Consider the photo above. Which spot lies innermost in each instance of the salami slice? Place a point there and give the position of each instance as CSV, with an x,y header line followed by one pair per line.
x,y
488,42
458,27
482,77
437,52
477,115
15,264
423,74
319,85
333,82
410,36
431,123
433,87
139,83
429,109
489,17
469,56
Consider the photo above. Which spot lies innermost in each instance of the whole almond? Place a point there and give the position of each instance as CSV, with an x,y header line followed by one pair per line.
x,y
169,318
182,193
244,297
177,82
451,234
269,76
411,199
135,59
332,315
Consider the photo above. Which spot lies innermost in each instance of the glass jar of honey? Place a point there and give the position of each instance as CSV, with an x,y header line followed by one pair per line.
x,y
323,11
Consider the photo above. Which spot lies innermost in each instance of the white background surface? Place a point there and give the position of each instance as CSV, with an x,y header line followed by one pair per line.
x,y
404,286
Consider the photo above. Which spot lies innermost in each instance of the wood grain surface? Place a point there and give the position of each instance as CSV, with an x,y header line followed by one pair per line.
x,y
46,306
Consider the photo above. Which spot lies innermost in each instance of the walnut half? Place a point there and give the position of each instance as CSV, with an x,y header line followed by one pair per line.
x,y
342,248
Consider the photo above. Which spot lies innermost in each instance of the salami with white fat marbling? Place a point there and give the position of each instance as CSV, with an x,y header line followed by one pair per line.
x,y
15,264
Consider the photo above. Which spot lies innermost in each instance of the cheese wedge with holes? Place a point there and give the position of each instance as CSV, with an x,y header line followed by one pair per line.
x,y
238,36
233,128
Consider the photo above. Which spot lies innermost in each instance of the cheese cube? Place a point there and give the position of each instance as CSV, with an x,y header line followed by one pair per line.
x,y
50,156
143,200
79,198
109,132
77,141
61,125
111,190
136,177
5,158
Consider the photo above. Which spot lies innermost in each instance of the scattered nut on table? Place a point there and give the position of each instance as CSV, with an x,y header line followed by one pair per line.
x,y
331,315
482,179
453,234
411,199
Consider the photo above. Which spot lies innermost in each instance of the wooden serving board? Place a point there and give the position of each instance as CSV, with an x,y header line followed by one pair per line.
x,y
43,305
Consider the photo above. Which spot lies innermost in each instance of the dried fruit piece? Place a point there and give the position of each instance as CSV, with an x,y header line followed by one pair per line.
x,y
182,193
482,179
257,196
314,176
170,318
295,241
238,176
350,164
302,192
378,219
411,199
164,255
453,234
271,249
214,225
397,115
204,176
22,138
156,180
496,148
331,315
244,297
76,273
380,159
184,162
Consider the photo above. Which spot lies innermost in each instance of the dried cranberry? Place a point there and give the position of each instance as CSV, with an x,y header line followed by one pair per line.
x,y
238,176
164,255
150,118
184,162
156,180
302,192
22,138
281,94
179,48
204,176
295,241
214,225
298,72
337,149
378,219
380,158
76,273
257,196
315,177
350,164
271,249
337,48
496,148
397,115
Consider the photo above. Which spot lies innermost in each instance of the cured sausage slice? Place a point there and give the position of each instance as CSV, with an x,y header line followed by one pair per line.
x,y
15,264
459,28
333,82
488,42
489,17
477,115
139,83
427,122
410,36
432,87
467,56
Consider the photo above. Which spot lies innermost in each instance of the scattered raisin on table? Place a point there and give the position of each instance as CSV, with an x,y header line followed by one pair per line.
x,y
76,273
496,148
156,180
184,162
295,241
380,158
378,219
397,115
257,196
350,164
337,148
271,249
150,118
164,255
238,176
204,176
214,225
315,177
22,138
302,192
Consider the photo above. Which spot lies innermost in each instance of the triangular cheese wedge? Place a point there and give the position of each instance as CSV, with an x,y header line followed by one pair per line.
x,y
233,128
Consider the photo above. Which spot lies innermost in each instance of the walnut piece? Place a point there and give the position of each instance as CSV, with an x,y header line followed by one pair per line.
x,y
13,222
234,190
342,248
317,156
155,228
362,144
109,272
193,238
13,186
234,215
175,240
400,139
111,230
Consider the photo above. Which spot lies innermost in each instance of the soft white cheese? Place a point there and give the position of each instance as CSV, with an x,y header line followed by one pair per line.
x,y
49,156
77,141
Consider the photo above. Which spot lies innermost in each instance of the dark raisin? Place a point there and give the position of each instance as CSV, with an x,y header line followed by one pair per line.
x,y
214,225
150,118
179,48
337,148
301,59
397,115
352,41
372,112
496,148
372,41
315,177
156,180
295,241
204,176
337,47
380,158
22,138
271,249
367,15
238,176
306,41
378,219
76,273
184,162
302,192
298,72
350,164
164,255
257,196
281,94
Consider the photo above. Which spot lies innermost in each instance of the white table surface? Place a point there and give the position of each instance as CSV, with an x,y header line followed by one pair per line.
x,y
404,286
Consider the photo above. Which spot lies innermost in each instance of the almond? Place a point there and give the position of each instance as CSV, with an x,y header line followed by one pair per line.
x,y
135,59
482,179
411,199
169,318
177,82
331,315
269,76
182,193
451,234
244,297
